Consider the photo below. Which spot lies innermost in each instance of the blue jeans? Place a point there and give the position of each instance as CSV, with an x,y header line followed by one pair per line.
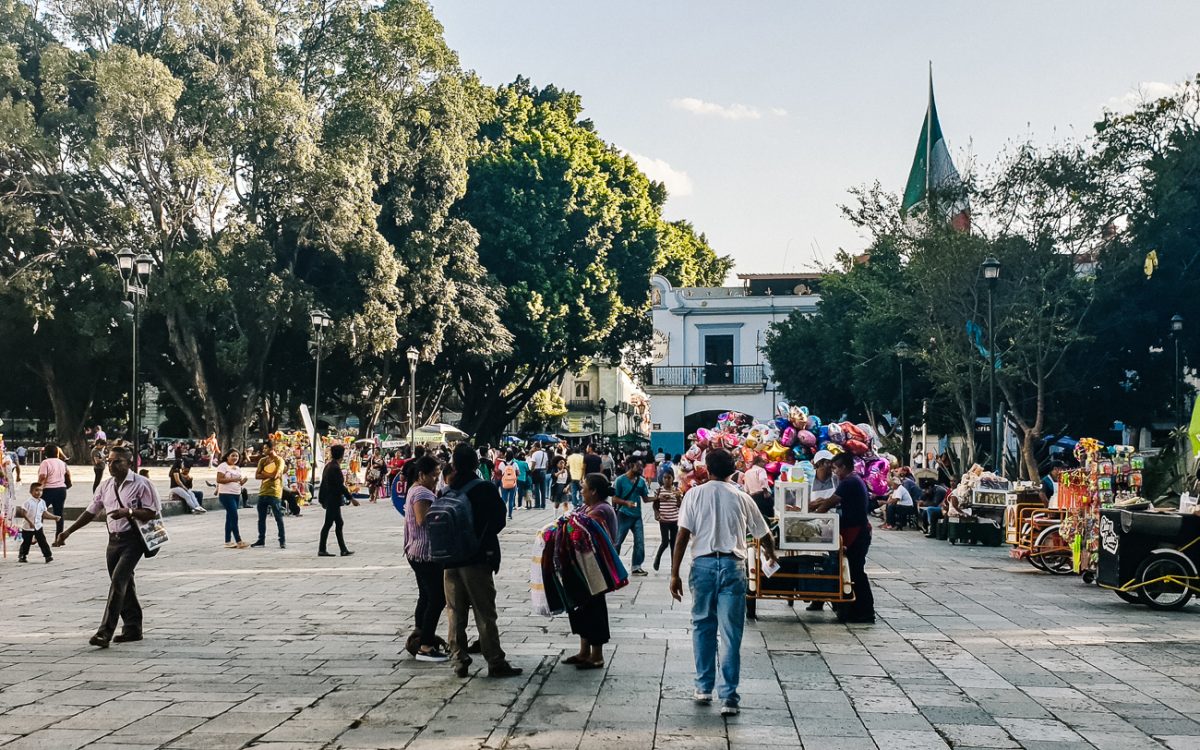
x,y
230,504
718,601
576,493
932,513
547,494
624,524
538,480
510,499
266,504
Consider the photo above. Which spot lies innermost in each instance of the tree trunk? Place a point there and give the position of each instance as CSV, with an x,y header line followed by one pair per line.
x,y
70,414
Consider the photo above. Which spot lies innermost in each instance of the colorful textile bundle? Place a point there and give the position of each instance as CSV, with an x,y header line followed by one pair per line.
x,y
573,560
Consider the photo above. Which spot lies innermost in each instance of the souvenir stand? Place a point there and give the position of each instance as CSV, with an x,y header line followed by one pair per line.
x,y
9,526
1110,477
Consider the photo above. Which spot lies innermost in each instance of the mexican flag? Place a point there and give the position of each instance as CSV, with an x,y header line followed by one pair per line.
x,y
933,171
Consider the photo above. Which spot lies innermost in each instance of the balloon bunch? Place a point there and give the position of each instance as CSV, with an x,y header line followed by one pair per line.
x,y
787,444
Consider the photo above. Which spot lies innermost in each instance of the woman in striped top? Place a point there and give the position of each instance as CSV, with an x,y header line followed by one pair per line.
x,y
431,593
666,512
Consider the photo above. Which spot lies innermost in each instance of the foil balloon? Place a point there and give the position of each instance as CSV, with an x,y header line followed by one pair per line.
x,y
702,436
857,447
806,438
860,467
852,432
780,423
776,452
800,452
693,454
809,471
756,435
747,453
833,448
772,435
814,423
700,474
870,437
823,435
788,437
731,440
773,468
781,409
835,433
876,476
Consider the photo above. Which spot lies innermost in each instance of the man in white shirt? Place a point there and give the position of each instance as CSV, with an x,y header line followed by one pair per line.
x,y
538,462
716,517
125,500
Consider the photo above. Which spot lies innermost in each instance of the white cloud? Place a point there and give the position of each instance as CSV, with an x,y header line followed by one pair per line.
x,y
727,112
677,181
779,111
1148,91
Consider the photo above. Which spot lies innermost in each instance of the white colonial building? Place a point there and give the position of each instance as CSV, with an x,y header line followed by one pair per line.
x,y
708,350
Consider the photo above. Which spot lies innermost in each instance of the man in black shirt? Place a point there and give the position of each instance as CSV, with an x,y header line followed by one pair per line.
x,y
592,462
852,497
330,495
470,584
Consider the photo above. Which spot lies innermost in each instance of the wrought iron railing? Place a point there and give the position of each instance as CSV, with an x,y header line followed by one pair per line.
x,y
693,375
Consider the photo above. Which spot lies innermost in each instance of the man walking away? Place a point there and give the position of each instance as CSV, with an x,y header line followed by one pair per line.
x,y
270,472
470,584
716,517
125,500
330,495
538,463
631,490
575,467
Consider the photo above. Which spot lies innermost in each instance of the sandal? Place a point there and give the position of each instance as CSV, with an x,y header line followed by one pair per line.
x,y
589,665
575,659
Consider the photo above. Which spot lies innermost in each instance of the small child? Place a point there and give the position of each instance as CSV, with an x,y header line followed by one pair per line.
x,y
34,511
666,512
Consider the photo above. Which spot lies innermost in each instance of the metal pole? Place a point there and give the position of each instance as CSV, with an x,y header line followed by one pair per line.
x,y
412,402
903,421
316,441
133,421
1178,386
992,380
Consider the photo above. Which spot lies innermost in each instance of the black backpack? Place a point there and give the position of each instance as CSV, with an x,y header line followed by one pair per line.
x,y
450,526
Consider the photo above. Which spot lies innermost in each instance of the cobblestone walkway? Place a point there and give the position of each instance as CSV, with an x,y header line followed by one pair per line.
x,y
279,649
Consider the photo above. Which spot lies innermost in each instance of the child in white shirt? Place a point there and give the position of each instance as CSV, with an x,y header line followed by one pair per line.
x,y
34,511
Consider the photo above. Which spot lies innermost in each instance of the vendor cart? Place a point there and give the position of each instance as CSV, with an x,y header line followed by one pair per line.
x,y
1150,558
803,576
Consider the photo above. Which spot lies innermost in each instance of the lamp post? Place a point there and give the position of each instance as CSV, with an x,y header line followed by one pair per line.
x,y
320,321
616,410
135,274
603,407
902,352
991,272
413,355
1176,330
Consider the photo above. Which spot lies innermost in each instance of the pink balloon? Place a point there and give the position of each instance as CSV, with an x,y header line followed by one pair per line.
x,y
806,438
702,435
773,468
788,438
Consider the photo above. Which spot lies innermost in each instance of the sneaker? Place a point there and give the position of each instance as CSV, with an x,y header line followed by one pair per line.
x,y
639,572
702,697
231,545
347,552
241,545
730,709
259,544
435,655
98,641
21,560
201,510
462,670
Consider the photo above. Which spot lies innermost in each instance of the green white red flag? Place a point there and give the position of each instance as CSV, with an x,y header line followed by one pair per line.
x,y
933,173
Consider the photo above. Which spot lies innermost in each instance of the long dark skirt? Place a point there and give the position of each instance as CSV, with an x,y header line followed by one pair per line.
x,y
590,621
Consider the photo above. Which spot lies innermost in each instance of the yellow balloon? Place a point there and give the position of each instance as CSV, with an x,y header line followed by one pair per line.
x,y
776,451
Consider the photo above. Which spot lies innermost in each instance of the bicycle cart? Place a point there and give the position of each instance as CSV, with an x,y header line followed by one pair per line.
x,y
803,576
1150,558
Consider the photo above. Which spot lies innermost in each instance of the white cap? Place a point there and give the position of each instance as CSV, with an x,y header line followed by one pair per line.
x,y
822,456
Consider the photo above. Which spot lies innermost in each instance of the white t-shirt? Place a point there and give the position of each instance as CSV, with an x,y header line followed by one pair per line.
x,y
902,495
33,513
718,515
229,488
538,460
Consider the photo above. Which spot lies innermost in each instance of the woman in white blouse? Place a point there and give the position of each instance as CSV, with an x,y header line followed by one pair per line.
x,y
229,491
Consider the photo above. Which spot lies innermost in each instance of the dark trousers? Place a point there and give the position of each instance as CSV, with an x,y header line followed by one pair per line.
x,y
472,588
333,518
856,556
230,504
99,476
431,598
268,504
123,554
668,531
539,488
589,620
27,537
56,498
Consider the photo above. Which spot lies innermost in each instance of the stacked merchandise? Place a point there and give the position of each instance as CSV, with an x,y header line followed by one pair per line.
x,y
1111,477
573,560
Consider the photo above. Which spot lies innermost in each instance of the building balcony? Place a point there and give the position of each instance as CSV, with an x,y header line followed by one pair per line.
x,y
706,379
582,404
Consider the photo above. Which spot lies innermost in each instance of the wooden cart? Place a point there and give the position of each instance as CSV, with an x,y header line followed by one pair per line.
x,y
793,587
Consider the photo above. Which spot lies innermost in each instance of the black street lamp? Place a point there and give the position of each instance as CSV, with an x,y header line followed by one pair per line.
x,y
135,273
413,356
603,407
1176,331
991,272
616,410
902,350
320,321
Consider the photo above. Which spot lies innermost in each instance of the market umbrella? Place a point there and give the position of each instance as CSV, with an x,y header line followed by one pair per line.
x,y
511,440
543,437
437,433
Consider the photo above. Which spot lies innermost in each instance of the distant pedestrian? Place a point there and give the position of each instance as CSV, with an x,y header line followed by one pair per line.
x,y
229,489
716,518
181,486
431,587
631,490
590,619
666,512
608,467
506,469
539,465
592,462
576,469
99,457
523,498
560,490
34,511
270,472
331,495
470,584
125,500
55,478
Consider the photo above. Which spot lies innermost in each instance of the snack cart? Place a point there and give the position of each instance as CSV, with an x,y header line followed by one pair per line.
x,y
1150,558
812,560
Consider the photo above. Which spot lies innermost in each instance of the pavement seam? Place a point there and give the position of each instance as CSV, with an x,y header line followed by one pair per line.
x,y
508,722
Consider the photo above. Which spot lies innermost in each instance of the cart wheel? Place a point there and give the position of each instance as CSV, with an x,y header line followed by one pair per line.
x,y
1089,577
1129,596
1060,562
752,609
1036,561
1165,594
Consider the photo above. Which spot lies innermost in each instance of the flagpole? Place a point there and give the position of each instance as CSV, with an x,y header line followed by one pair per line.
x,y
929,142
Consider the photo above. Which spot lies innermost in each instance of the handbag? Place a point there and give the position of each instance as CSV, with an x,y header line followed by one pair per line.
x,y
152,533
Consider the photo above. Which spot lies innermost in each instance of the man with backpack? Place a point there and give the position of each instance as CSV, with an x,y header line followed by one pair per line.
x,y
463,526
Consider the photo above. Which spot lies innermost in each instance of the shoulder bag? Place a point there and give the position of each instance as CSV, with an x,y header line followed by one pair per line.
x,y
153,533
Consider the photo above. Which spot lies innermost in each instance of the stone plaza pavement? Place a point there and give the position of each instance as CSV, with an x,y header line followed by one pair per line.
x,y
280,649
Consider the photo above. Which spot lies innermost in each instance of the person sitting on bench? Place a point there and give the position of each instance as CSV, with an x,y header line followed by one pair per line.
x,y
900,505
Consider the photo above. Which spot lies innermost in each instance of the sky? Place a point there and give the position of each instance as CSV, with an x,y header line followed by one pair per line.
x,y
759,116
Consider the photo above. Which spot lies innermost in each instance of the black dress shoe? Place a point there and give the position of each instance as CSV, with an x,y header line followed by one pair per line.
x,y
127,637
347,553
505,670
323,553
99,641
474,648
461,670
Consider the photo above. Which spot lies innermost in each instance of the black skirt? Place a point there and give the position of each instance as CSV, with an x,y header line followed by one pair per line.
x,y
590,620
